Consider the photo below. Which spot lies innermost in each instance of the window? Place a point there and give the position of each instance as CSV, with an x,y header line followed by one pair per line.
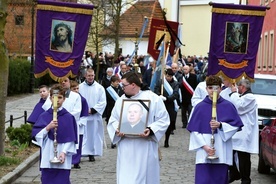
x,y
19,20
265,52
260,54
271,51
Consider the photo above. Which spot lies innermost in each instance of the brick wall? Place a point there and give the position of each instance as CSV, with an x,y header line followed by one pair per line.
x,y
18,37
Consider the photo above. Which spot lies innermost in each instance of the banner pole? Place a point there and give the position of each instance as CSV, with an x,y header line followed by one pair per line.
x,y
164,64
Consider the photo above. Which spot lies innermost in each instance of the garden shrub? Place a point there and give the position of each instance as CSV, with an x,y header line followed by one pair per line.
x,y
19,77
21,134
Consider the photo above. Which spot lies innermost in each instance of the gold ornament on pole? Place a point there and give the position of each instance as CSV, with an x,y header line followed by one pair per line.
x,y
55,160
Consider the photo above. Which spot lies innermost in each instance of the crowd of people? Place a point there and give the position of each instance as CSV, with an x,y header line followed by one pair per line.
x,y
139,112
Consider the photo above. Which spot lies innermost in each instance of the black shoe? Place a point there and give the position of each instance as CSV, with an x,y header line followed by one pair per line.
x,y
172,132
91,158
232,179
77,166
113,146
166,144
184,126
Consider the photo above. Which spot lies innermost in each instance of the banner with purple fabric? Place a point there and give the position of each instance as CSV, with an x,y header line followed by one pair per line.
x,y
235,33
61,35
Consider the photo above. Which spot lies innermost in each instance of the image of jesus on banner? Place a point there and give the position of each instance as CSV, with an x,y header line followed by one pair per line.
x,y
62,36
236,37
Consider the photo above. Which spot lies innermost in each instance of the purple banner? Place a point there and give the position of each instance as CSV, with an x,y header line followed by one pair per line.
x,y
61,35
235,33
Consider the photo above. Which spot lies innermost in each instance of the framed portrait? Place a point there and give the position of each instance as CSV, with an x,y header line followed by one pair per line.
x,y
62,35
236,37
134,116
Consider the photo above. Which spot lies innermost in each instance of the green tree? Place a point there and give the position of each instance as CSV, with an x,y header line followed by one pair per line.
x,y
4,72
107,18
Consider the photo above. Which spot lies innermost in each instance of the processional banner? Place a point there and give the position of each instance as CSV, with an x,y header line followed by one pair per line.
x,y
157,29
61,35
235,33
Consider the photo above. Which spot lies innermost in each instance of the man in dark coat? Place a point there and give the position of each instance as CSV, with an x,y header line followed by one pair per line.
x,y
169,96
189,83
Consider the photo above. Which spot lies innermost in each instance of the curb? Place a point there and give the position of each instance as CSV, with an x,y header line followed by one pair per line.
x,y
19,170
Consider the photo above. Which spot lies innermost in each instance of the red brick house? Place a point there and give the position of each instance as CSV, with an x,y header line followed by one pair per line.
x,y
18,29
266,58
131,24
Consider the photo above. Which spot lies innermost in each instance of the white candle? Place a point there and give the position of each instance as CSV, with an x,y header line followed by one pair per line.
x,y
214,109
55,107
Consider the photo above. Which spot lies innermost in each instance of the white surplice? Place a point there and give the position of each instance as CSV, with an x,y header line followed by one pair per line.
x,y
223,145
246,140
47,151
72,104
93,137
199,94
137,158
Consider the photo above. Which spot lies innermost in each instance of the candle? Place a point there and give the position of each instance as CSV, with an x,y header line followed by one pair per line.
x,y
55,107
214,110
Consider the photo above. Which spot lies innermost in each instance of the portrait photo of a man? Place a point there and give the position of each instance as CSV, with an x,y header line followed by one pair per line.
x,y
134,118
62,36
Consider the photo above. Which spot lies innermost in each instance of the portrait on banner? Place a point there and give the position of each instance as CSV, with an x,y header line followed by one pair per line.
x,y
236,37
134,116
62,35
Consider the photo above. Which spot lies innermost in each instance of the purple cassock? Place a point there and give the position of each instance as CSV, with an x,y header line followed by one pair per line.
x,y
84,112
36,111
202,115
200,122
55,176
66,132
84,107
67,127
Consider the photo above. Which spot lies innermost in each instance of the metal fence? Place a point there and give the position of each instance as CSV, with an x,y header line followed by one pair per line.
x,y
12,119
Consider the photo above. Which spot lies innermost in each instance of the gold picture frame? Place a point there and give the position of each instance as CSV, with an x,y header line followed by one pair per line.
x,y
134,116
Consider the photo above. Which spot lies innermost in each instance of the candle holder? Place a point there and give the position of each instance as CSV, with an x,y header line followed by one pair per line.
x,y
55,160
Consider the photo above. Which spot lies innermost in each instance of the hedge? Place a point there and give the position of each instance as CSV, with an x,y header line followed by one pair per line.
x,y
19,77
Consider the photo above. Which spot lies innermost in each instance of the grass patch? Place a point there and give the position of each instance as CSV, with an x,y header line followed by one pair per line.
x,y
6,161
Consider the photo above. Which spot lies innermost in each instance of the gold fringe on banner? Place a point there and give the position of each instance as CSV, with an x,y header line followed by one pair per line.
x,y
55,78
238,12
64,9
231,80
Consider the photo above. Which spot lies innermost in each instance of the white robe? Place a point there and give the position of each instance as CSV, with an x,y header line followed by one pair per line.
x,y
137,158
225,93
72,104
93,137
199,94
246,140
47,151
223,145
82,124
